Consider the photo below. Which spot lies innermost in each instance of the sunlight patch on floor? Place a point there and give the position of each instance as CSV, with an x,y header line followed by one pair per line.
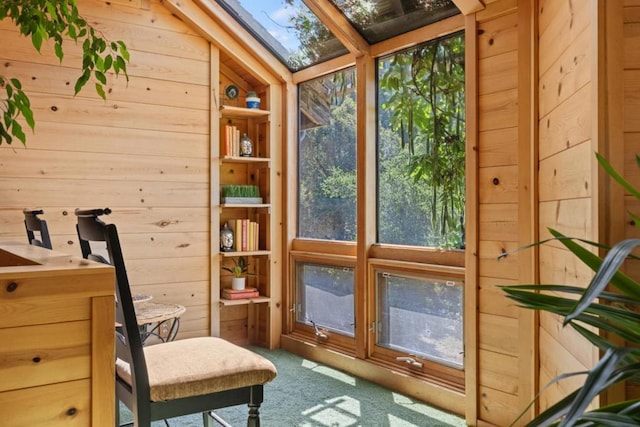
x,y
342,411
329,372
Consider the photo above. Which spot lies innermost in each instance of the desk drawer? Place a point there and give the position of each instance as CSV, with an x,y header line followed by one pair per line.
x,y
24,312
30,407
42,354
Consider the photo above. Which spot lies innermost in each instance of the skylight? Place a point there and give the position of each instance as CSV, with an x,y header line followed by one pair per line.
x,y
288,29
379,20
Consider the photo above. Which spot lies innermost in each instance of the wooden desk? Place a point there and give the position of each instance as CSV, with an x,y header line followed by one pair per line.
x,y
56,338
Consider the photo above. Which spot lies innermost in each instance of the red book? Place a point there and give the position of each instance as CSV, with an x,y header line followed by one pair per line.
x,y
240,294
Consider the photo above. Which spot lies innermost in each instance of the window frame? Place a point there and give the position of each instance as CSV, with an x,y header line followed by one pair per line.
x,y
335,340
437,372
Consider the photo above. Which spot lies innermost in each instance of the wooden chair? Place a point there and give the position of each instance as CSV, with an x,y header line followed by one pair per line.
x,y
194,375
34,225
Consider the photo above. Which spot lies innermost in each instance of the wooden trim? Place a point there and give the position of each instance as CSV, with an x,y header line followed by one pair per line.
x,y
277,138
420,35
324,68
612,203
103,398
324,246
527,197
472,204
469,6
445,270
214,195
340,26
366,185
414,254
290,201
215,25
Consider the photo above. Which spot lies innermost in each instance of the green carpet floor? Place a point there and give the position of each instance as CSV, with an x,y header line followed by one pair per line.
x,y
308,394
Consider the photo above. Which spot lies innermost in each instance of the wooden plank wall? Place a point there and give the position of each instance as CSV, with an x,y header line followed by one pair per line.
x,y
144,152
498,352
567,140
631,119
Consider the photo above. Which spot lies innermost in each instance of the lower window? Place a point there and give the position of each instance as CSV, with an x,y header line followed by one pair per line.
x,y
325,297
420,315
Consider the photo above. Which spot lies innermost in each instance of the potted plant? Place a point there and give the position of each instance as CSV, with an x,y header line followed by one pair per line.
x,y
239,270
614,311
242,194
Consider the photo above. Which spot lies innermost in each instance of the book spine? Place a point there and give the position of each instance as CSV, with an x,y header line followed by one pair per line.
x,y
242,295
238,235
245,237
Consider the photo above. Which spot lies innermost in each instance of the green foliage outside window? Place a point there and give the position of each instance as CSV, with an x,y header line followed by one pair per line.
x,y
421,145
42,20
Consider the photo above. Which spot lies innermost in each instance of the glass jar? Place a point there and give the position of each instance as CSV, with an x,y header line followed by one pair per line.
x,y
246,146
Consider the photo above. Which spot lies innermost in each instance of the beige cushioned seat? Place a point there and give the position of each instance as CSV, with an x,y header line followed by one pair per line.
x,y
197,366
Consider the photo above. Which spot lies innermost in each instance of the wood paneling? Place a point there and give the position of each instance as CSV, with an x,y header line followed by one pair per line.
x,y
564,177
560,23
567,125
568,133
144,152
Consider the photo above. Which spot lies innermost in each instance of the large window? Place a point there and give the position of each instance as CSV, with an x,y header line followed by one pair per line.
x,y
421,145
327,158
402,305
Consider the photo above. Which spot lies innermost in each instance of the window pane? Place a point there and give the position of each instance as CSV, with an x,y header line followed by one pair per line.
x,y
327,158
421,145
325,297
379,20
288,29
421,316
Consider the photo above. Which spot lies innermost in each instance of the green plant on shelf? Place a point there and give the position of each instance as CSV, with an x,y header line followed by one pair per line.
x,y
234,190
240,267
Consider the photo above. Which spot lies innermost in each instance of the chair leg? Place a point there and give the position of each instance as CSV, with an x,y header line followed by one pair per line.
x,y
254,415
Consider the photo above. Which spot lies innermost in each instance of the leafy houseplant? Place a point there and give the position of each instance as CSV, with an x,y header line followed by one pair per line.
x,y
239,270
616,313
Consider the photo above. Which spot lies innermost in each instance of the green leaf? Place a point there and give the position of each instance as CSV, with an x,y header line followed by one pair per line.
x,y
123,50
100,91
616,176
619,279
16,130
596,382
82,80
36,39
16,83
605,274
100,77
58,49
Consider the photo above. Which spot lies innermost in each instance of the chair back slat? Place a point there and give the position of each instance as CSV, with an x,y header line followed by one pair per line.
x,y
35,224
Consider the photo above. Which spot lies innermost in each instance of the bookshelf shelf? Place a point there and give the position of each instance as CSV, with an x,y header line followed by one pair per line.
x,y
231,111
244,159
231,302
244,253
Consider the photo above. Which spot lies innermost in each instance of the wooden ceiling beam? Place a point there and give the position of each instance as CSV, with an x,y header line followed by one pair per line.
x,y
213,22
340,26
469,6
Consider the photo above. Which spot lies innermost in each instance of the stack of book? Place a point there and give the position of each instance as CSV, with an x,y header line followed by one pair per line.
x,y
245,293
231,140
245,234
